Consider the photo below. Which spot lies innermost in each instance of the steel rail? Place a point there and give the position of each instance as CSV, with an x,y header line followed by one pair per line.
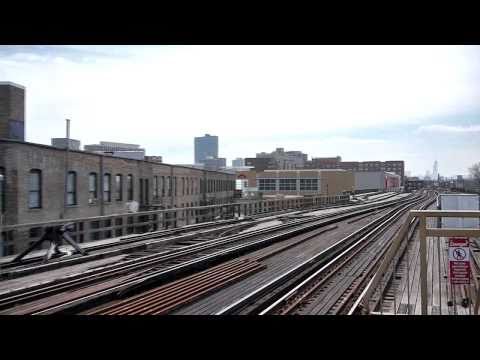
x,y
166,298
329,270
169,255
195,262
319,258
408,230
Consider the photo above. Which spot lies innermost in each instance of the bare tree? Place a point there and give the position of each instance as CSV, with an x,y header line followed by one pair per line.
x,y
475,172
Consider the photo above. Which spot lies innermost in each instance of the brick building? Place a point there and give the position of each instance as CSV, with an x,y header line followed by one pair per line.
x,y
285,159
395,166
40,183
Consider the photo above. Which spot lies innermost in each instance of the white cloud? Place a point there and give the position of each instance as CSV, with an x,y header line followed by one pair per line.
x,y
438,128
163,96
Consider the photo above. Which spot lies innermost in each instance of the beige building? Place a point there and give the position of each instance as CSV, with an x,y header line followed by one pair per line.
x,y
305,182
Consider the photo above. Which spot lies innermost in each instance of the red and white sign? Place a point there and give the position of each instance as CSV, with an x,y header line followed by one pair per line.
x,y
459,260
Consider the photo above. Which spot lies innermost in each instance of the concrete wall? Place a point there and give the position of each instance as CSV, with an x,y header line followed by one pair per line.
x,y
335,182
371,180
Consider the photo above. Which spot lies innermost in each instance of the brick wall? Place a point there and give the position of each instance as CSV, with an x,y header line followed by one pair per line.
x,y
19,158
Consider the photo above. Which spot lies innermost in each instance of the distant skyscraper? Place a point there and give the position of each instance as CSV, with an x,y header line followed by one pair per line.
x,y
12,111
205,147
435,171
238,162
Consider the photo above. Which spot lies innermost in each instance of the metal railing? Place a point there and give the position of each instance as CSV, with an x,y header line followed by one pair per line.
x,y
400,242
119,225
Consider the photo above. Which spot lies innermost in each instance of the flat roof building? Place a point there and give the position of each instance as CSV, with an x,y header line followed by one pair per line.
x,y
366,181
285,159
305,182
205,147
38,184
62,143
127,151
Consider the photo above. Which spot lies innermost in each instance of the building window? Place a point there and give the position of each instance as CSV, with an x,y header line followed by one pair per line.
x,y
309,184
175,185
92,188
183,186
169,182
72,188
35,189
2,190
119,187
129,187
155,187
266,184
107,186
288,184
147,198
163,185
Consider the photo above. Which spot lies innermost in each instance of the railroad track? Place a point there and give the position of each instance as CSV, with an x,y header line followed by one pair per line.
x,y
388,280
144,241
137,273
164,299
299,290
131,242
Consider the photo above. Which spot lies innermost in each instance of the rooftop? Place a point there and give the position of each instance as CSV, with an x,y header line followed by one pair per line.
x,y
12,84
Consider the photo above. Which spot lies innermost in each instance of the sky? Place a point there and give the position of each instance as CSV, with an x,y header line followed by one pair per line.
x,y
363,103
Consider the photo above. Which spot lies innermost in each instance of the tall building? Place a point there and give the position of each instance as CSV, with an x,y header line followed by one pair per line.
x,y
238,162
205,147
286,160
127,151
12,111
435,171
61,143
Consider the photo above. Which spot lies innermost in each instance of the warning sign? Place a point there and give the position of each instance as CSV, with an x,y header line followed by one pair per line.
x,y
459,260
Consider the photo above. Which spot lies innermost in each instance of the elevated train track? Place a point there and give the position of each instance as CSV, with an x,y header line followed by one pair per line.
x,y
327,282
99,285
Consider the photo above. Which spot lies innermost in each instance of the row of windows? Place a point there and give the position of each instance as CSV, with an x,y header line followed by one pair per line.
x,y
287,184
161,185
309,184
190,186
266,184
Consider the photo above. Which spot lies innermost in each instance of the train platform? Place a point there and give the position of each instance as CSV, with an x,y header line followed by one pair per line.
x,y
403,295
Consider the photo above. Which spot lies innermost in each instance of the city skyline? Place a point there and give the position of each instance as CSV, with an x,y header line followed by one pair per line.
x,y
417,104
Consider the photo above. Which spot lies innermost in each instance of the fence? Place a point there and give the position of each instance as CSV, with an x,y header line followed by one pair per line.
x,y
400,243
17,237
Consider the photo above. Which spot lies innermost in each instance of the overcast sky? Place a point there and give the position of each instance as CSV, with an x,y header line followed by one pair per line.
x,y
412,103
